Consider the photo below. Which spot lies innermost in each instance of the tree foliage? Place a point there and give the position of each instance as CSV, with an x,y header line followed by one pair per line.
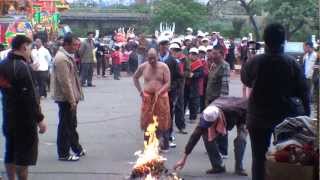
x,y
293,14
182,12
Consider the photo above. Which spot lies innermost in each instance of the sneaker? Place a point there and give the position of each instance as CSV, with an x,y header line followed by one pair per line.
x,y
172,144
82,153
91,85
70,158
216,170
223,156
182,131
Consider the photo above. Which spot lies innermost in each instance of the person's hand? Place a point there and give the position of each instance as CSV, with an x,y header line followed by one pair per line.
x,y
157,94
141,94
191,75
180,164
73,106
42,127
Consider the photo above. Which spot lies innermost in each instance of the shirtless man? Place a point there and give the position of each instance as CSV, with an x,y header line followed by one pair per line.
x,y
155,95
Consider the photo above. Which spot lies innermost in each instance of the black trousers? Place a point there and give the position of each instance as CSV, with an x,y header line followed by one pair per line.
x,y
222,142
213,151
202,103
116,71
67,131
260,142
101,66
172,101
179,111
86,73
41,81
193,104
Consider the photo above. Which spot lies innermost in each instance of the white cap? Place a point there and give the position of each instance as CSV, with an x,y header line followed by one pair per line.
x,y
194,50
201,34
211,113
205,39
163,39
174,46
203,49
189,29
188,38
176,41
214,32
244,39
209,48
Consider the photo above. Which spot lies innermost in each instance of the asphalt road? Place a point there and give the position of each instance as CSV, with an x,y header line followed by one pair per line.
x,y
108,124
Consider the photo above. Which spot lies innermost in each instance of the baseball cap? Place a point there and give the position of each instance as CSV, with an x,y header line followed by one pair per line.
x,y
174,46
203,49
194,50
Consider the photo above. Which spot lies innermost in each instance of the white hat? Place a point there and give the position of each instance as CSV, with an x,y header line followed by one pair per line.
x,y
205,39
209,48
203,49
201,34
211,113
189,37
163,39
194,50
174,46
214,32
189,29
176,41
244,39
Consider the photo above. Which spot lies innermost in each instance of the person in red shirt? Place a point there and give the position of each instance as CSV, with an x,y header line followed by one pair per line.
x,y
116,63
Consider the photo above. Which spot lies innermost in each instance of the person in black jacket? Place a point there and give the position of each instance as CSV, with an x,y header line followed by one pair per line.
x,y
275,79
21,110
191,93
176,76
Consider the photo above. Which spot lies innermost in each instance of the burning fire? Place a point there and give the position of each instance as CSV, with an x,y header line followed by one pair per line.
x,y
150,164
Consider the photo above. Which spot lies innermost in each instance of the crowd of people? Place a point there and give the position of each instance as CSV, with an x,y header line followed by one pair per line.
x,y
182,75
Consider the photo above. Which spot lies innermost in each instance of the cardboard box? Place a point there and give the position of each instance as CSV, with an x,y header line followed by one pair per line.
x,y
286,171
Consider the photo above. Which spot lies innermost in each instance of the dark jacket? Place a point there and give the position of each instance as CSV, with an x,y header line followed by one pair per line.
x,y
174,72
21,108
274,79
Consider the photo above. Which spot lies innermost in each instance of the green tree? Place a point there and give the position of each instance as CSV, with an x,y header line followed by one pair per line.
x,y
295,15
182,12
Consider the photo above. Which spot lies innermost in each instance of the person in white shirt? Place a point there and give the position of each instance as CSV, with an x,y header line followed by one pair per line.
x,y
41,61
309,61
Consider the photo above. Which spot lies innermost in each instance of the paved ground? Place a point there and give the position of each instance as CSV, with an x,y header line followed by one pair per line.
x,y
109,130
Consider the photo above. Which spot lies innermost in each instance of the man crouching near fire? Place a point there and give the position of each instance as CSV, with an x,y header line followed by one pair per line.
x,y
154,94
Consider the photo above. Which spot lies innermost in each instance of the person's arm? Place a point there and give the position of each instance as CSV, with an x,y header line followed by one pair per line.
x,y
167,80
246,74
187,68
48,57
82,49
302,89
225,81
136,78
192,142
28,95
198,73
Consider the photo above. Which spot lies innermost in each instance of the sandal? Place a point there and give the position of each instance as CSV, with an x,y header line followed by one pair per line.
x,y
71,158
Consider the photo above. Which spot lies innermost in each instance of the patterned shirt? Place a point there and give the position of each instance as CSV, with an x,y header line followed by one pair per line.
x,y
218,82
